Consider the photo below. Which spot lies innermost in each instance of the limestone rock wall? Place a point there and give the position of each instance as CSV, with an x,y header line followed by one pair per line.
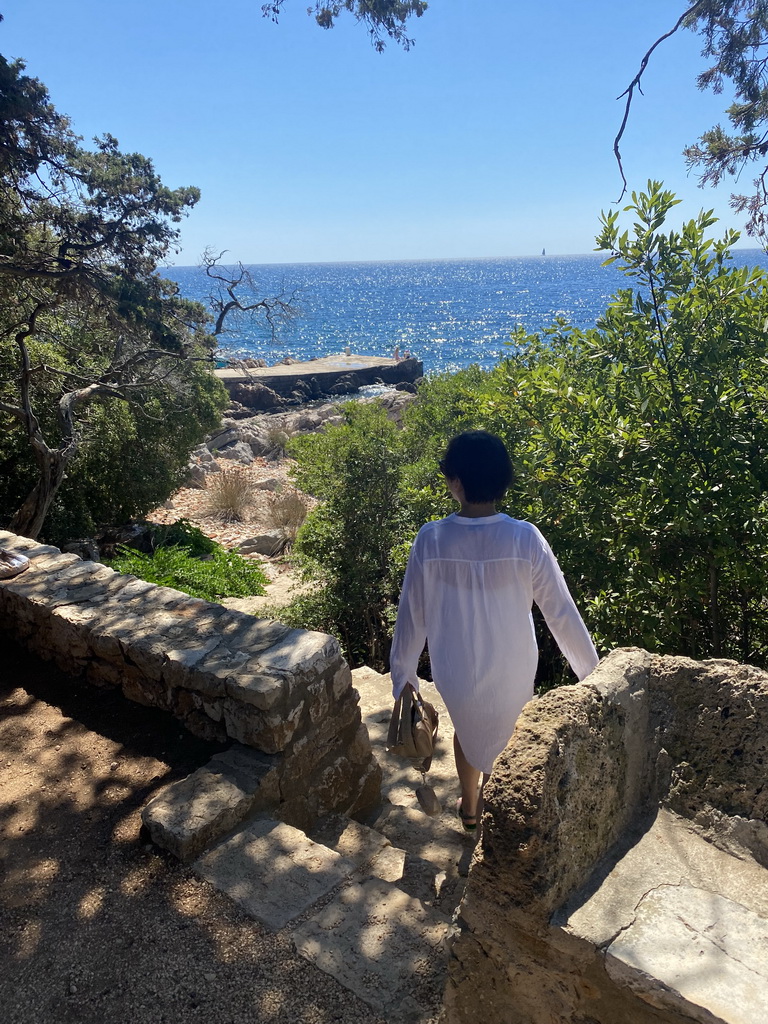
x,y
579,787
285,692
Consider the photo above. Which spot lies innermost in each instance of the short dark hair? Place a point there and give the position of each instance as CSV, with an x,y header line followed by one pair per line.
x,y
482,464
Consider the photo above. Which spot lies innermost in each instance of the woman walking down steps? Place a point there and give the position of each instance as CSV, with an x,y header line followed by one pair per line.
x,y
468,590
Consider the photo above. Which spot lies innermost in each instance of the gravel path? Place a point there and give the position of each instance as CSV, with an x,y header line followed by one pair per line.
x,y
95,924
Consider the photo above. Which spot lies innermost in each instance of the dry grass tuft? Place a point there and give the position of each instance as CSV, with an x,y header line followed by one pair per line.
x,y
287,511
228,495
276,444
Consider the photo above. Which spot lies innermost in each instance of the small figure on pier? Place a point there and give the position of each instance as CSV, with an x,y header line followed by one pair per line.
x,y
396,354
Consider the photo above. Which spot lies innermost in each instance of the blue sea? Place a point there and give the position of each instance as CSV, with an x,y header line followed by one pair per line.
x,y
448,313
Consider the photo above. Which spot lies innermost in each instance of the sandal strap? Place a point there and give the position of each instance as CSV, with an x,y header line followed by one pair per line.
x,y
469,821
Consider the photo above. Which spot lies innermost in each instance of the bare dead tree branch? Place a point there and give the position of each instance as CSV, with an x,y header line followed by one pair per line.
x,y
635,84
275,310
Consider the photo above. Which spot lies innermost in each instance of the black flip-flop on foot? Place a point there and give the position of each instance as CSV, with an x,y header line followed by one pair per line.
x,y
468,821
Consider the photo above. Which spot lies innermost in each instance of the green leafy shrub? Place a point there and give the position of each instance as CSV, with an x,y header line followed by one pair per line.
x,y
640,448
355,470
182,533
135,457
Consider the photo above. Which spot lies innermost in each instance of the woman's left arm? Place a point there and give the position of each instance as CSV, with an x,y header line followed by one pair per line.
x,y
551,594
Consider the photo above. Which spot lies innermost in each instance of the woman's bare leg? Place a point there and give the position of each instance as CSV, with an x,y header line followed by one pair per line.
x,y
469,778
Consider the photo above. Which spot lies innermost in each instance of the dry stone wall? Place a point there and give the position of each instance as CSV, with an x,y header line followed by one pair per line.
x,y
285,692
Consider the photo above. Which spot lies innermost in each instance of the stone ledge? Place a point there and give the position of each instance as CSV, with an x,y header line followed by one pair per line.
x,y
694,952
189,815
683,924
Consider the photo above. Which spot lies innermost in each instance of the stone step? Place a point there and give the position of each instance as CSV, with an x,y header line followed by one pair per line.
x,y
437,858
369,904
373,854
194,812
406,848
273,871
379,941
383,945
437,851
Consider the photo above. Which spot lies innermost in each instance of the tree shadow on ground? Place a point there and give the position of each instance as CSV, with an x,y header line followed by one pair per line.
x,y
95,923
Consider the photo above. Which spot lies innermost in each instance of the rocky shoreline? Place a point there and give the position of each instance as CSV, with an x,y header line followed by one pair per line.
x,y
244,438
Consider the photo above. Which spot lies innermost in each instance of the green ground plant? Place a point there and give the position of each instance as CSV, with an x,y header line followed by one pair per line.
x,y
185,559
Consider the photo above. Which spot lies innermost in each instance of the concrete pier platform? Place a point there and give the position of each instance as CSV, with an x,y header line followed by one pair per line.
x,y
327,372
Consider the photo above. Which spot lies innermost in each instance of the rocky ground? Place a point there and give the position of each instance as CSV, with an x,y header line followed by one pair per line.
x,y
254,446
269,478
96,924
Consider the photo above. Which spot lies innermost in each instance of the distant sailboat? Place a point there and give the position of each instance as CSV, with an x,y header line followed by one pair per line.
x,y
543,252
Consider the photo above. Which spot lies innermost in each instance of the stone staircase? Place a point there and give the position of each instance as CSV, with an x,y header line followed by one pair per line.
x,y
370,904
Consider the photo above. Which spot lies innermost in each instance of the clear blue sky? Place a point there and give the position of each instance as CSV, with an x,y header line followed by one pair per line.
x,y
491,137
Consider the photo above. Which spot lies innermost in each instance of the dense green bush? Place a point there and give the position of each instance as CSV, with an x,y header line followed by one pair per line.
x,y
136,454
345,543
135,458
641,451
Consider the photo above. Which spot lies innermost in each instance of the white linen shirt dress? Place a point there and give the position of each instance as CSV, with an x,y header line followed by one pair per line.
x,y
468,590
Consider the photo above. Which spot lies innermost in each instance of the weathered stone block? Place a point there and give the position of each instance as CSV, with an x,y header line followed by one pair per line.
x,y
300,653
273,871
257,688
194,812
103,643
249,726
346,714
342,680
180,663
103,673
574,908
139,688
67,634
695,953
147,653
189,708
319,701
